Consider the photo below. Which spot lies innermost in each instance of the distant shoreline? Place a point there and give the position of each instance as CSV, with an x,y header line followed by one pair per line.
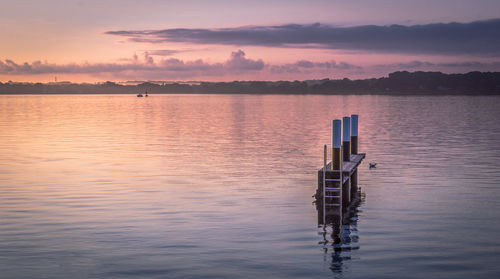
x,y
264,94
397,83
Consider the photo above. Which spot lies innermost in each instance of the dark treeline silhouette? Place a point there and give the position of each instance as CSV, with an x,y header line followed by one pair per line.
x,y
397,83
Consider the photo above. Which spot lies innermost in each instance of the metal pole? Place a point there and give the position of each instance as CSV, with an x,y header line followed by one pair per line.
x,y
336,144
324,156
354,134
346,144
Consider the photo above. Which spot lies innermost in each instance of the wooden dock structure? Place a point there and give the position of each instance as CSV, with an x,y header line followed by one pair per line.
x,y
338,179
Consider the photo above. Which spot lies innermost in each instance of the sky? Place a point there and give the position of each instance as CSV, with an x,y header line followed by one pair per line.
x,y
122,40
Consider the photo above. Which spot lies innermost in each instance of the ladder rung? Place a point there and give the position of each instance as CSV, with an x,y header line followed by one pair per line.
x,y
336,179
332,196
332,204
332,189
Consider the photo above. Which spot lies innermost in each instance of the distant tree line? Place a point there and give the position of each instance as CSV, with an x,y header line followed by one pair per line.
x,y
397,83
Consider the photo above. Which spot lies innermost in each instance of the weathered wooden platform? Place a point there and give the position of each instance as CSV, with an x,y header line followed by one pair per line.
x,y
338,192
347,167
350,166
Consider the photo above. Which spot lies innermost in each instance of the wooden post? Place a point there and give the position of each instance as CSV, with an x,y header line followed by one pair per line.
x,y
324,156
354,183
354,134
346,144
346,193
336,144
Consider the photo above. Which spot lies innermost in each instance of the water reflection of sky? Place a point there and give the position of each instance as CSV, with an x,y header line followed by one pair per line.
x,y
221,185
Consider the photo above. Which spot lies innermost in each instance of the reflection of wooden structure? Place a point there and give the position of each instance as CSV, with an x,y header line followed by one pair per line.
x,y
338,180
340,240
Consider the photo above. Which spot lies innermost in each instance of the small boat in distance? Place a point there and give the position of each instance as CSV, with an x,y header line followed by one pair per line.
x,y
145,94
372,165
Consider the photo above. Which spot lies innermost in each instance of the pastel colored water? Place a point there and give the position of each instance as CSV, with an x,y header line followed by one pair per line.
x,y
219,186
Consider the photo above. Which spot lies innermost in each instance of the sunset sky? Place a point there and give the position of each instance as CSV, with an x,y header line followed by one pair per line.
x,y
119,40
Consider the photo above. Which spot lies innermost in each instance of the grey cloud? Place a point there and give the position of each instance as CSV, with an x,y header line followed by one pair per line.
x,y
167,52
475,38
302,65
411,65
239,62
236,63
148,59
454,66
163,52
470,64
10,67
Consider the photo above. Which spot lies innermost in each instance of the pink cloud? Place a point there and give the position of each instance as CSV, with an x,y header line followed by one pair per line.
x,y
147,67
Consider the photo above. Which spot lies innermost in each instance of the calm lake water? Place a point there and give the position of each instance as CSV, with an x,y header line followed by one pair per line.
x,y
220,186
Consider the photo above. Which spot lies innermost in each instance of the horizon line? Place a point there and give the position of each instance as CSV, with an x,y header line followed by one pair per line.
x,y
204,81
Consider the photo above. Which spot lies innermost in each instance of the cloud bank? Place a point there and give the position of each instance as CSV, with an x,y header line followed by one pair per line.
x,y
236,62
474,38
304,66
417,65
146,66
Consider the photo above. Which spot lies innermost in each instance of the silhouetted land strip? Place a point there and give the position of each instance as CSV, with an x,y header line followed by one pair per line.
x,y
397,83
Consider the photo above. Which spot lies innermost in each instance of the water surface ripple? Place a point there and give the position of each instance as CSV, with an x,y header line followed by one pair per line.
x,y
219,186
